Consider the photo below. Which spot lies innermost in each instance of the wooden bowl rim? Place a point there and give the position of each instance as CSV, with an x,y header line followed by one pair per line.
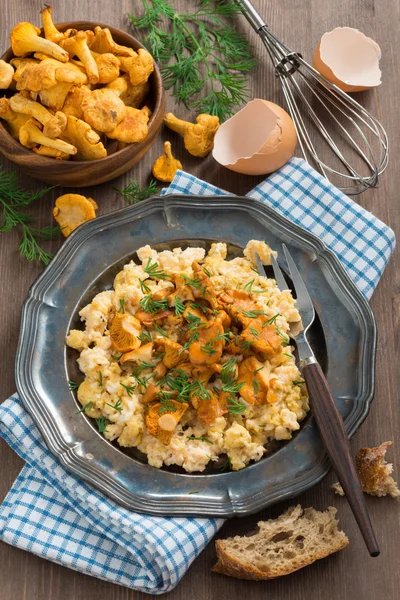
x,y
130,149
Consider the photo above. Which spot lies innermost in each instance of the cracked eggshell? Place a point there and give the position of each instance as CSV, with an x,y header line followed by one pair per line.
x,y
349,59
257,140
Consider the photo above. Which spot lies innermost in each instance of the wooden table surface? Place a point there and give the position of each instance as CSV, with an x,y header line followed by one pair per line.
x,y
351,573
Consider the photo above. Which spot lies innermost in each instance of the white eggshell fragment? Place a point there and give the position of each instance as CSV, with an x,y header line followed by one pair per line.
x,y
257,140
349,59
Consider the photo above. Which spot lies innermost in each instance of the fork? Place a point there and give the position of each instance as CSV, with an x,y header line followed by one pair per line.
x,y
327,416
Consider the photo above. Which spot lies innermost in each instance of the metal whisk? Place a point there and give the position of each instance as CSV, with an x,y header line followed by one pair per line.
x,y
348,115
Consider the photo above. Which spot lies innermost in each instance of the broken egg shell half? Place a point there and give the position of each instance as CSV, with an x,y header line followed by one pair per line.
x,y
349,59
257,140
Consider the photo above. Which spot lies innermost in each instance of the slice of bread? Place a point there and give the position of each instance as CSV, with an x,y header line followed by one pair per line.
x,y
292,541
374,473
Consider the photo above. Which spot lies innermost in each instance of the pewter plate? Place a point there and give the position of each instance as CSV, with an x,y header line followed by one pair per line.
x,y
343,338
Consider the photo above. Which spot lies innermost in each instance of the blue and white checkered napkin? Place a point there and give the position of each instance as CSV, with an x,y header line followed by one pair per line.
x,y
55,515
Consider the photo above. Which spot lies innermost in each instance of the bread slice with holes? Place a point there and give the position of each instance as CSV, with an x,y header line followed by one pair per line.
x,y
292,541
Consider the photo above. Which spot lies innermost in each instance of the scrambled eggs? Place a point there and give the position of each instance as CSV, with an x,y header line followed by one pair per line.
x,y
188,358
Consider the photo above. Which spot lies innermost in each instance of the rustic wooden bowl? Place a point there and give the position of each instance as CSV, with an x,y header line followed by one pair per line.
x,y
85,173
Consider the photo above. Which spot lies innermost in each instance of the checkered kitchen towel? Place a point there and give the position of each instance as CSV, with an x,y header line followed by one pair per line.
x,y
55,515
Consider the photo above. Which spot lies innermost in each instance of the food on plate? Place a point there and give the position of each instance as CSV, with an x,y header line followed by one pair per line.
x,y
294,540
80,74
374,472
71,210
349,59
6,75
166,166
257,140
188,358
198,137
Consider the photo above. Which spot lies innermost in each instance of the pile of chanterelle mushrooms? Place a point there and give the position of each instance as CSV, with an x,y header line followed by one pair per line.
x,y
74,91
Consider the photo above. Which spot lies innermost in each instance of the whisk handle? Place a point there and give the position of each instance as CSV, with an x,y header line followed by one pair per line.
x,y
253,17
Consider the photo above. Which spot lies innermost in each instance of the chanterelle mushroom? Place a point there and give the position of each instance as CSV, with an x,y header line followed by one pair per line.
x,y
133,128
6,75
103,43
103,110
107,65
253,376
161,421
142,354
30,136
37,77
73,102
50,30
198,137
77,45
14,120
25,38
166,166
87,141
71,210
124,330
55,96
139,67
210,409
54,125
131,95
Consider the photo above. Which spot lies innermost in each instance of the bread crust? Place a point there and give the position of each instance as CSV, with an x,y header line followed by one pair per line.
x,y
234,566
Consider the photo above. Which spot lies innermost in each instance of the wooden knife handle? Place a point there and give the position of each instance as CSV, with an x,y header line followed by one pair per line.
x,y
336,441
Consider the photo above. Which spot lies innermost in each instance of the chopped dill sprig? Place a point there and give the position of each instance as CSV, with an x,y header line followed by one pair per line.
x,y
298,382
228,371
179,307
256,386
249,286
224,336
204,58
122,305
100,379
206,271
199,390
117,406
152,306
73,385
272,320
232,387
235,407
201,438
194,283
129,388
133,193
209,348
87,406
254,332
252,314
102,424
160,330
145,337
152,269
143,287
227,465
115,357
204,309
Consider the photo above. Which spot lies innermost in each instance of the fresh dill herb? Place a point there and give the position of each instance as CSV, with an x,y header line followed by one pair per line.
x,y
288,355
228,371
100,379
272,320
145,337
194,322
178,381
179,307
201,438
194,283
249,286
87,406
204,59
224,336
232,387
143,287
117,406
254,332
244,345
255,270
102,424
252,314
235,407
283,336
199,390
166,404
142,381
208,348
152,306
133,193
259,369
13,203
298,382
129,388
142,366
206,271
227,465
114,357
262,426
204,309
159,330
73,385
185,347
153,270
256,386
122,305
